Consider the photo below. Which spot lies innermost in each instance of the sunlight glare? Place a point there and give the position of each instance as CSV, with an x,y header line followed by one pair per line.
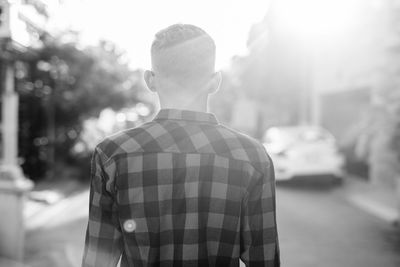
x,y
315,19
132,24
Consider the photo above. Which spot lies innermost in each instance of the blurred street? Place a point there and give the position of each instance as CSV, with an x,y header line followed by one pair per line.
x,y
318,226
321,94
55,234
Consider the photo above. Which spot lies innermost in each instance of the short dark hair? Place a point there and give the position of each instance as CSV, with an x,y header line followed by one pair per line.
x,y
183,51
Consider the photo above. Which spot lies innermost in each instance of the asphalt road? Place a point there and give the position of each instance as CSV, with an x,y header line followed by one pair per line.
x,y
318,227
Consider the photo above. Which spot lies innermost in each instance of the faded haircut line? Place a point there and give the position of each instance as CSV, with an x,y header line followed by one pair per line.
x,y
178,33
183,53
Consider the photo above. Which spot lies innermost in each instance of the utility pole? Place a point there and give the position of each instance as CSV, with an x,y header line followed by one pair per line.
x,y
14,186
9,118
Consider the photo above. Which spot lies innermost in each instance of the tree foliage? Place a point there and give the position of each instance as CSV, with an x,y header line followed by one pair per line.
x,y
64,85
388,91
272,74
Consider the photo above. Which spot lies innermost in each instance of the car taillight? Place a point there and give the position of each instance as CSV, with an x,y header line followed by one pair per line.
x,y
282,153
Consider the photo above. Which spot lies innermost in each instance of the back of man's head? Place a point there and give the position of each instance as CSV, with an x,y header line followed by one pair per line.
x,y
183,54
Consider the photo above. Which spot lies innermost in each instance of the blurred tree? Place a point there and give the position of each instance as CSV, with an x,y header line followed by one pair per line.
x,y
67,84
221,101
392,92
274,75
384,146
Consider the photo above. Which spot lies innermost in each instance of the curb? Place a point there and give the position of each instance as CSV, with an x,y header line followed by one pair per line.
x,y
55,211
374,208
378,202
46,202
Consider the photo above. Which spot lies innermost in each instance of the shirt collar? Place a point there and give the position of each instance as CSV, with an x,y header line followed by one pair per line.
x,y
186,115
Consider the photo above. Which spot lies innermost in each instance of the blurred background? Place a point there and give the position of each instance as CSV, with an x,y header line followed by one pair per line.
x,y
316,81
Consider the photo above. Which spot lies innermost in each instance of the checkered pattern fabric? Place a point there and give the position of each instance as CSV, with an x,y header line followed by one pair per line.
x,y
181,190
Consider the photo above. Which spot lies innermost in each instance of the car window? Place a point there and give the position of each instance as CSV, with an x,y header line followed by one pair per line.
x,y
275,135
287,136
314,136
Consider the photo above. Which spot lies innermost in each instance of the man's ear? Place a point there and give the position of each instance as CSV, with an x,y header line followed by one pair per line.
x,y
215,82
149,79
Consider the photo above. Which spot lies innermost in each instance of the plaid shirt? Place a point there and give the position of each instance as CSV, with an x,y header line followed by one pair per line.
x,y
181,190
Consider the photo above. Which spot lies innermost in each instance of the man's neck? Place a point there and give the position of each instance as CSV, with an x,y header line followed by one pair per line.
x,y
192,108
199,104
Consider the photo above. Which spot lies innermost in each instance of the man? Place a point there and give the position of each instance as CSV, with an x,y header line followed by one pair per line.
x,y
182,190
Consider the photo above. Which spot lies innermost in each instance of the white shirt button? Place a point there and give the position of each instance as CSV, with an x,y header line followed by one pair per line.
x,y
129,226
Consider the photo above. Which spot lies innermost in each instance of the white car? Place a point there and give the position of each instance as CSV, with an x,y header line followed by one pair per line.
x,y
303,151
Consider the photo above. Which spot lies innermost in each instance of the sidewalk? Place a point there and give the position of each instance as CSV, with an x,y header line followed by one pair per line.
x,y
55,221
378,201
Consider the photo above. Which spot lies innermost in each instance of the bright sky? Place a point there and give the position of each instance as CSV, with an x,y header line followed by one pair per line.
x,y
132,24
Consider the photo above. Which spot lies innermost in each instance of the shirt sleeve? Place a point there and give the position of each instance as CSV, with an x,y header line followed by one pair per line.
x,y
259,236
103,244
